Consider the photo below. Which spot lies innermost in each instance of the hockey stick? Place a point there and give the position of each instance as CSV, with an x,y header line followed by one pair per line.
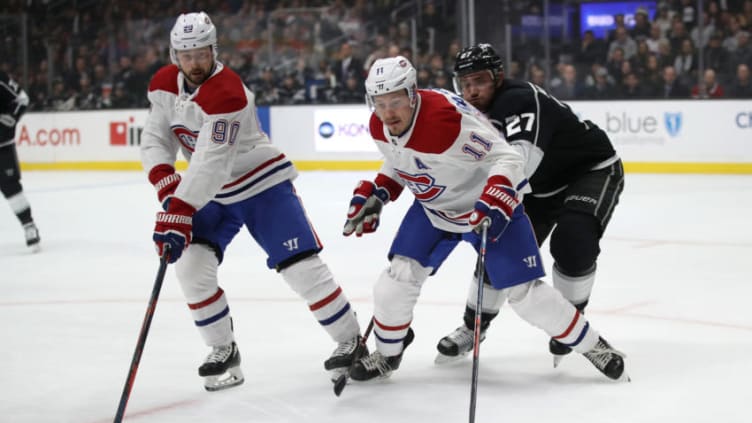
x,y
480,269
142,337
339,384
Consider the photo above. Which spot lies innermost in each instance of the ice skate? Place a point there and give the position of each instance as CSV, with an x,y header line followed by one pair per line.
x,y
457,344
609,361
32,236
221,369
344,355
558,350
377,365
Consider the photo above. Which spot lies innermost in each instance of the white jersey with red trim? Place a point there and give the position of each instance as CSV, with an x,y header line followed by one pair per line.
x,y
217,129
446,157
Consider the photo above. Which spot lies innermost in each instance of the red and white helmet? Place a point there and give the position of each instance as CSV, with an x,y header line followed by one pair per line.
x,y
192,30
389,75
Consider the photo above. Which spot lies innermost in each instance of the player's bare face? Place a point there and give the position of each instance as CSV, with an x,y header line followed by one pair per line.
x,y
196,64
478,89
395,110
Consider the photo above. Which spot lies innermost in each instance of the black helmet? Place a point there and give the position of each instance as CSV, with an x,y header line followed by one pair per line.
x,y
476,58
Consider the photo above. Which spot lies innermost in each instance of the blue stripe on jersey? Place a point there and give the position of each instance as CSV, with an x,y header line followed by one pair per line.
x,y
336,316
255,181
214,318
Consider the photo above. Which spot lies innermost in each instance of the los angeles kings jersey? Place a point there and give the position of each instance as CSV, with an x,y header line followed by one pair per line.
x,y
217,130
446,157
558,147
13,103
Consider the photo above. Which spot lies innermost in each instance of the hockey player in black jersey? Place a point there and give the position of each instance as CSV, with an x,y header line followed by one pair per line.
x,y
574,171
13,103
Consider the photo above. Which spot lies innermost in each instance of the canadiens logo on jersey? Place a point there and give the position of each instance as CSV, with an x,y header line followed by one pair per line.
x,y
422,185
186,137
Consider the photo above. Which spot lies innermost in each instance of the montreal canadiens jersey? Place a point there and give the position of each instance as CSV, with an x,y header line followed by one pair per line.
x,y
446,157
558,147
217,130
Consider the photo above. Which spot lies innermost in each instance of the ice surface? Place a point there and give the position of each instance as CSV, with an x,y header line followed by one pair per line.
x,y
673,292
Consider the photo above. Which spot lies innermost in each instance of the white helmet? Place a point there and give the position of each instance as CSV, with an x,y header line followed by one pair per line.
x,y
192,30
390,75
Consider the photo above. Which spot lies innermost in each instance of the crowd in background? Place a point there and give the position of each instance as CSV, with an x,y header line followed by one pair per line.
x,y
86,54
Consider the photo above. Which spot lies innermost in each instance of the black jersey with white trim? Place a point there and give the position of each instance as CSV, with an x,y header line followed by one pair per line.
x,y
558,147
13,103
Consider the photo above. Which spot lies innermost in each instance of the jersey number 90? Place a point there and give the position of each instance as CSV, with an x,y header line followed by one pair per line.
x,y
220,131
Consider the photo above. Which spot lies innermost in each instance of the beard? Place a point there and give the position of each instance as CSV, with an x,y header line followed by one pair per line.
x,y
196,76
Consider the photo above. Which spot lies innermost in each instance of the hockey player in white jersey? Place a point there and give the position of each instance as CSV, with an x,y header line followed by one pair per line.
x,y
462,173
235,177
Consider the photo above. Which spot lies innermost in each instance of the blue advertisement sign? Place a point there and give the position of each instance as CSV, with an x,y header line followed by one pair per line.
x,y
599,17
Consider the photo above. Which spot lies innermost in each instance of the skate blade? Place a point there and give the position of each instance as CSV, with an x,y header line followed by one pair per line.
x,y
442,359
557,360
35,248
232,377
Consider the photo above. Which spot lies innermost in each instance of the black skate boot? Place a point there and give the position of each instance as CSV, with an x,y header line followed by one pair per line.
x,y
460,342
457,344
344,355
559,350
221,369
609,361
377,365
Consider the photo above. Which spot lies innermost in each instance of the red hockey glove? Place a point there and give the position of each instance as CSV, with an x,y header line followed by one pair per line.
x,y
368,200
165,181
496,204
173,229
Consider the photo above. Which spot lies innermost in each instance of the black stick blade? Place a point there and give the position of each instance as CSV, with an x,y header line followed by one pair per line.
x,y
339,384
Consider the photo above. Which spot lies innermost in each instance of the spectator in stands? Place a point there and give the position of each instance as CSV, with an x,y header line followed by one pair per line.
x,y
665,55
291,92
743,52
663,19
537,76
623,41
672,87
265,87
119,99
568,87
441,80
686,62
701,37
641,28
592,50
352,92
688,13
709,88
614,63
602,87
347,63
677,35
618,23
741,86
655,38
651,79
630,87
716,57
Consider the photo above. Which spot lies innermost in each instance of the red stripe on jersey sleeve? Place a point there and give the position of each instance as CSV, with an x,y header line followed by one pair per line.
x,y
222,93
438,124
166,79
